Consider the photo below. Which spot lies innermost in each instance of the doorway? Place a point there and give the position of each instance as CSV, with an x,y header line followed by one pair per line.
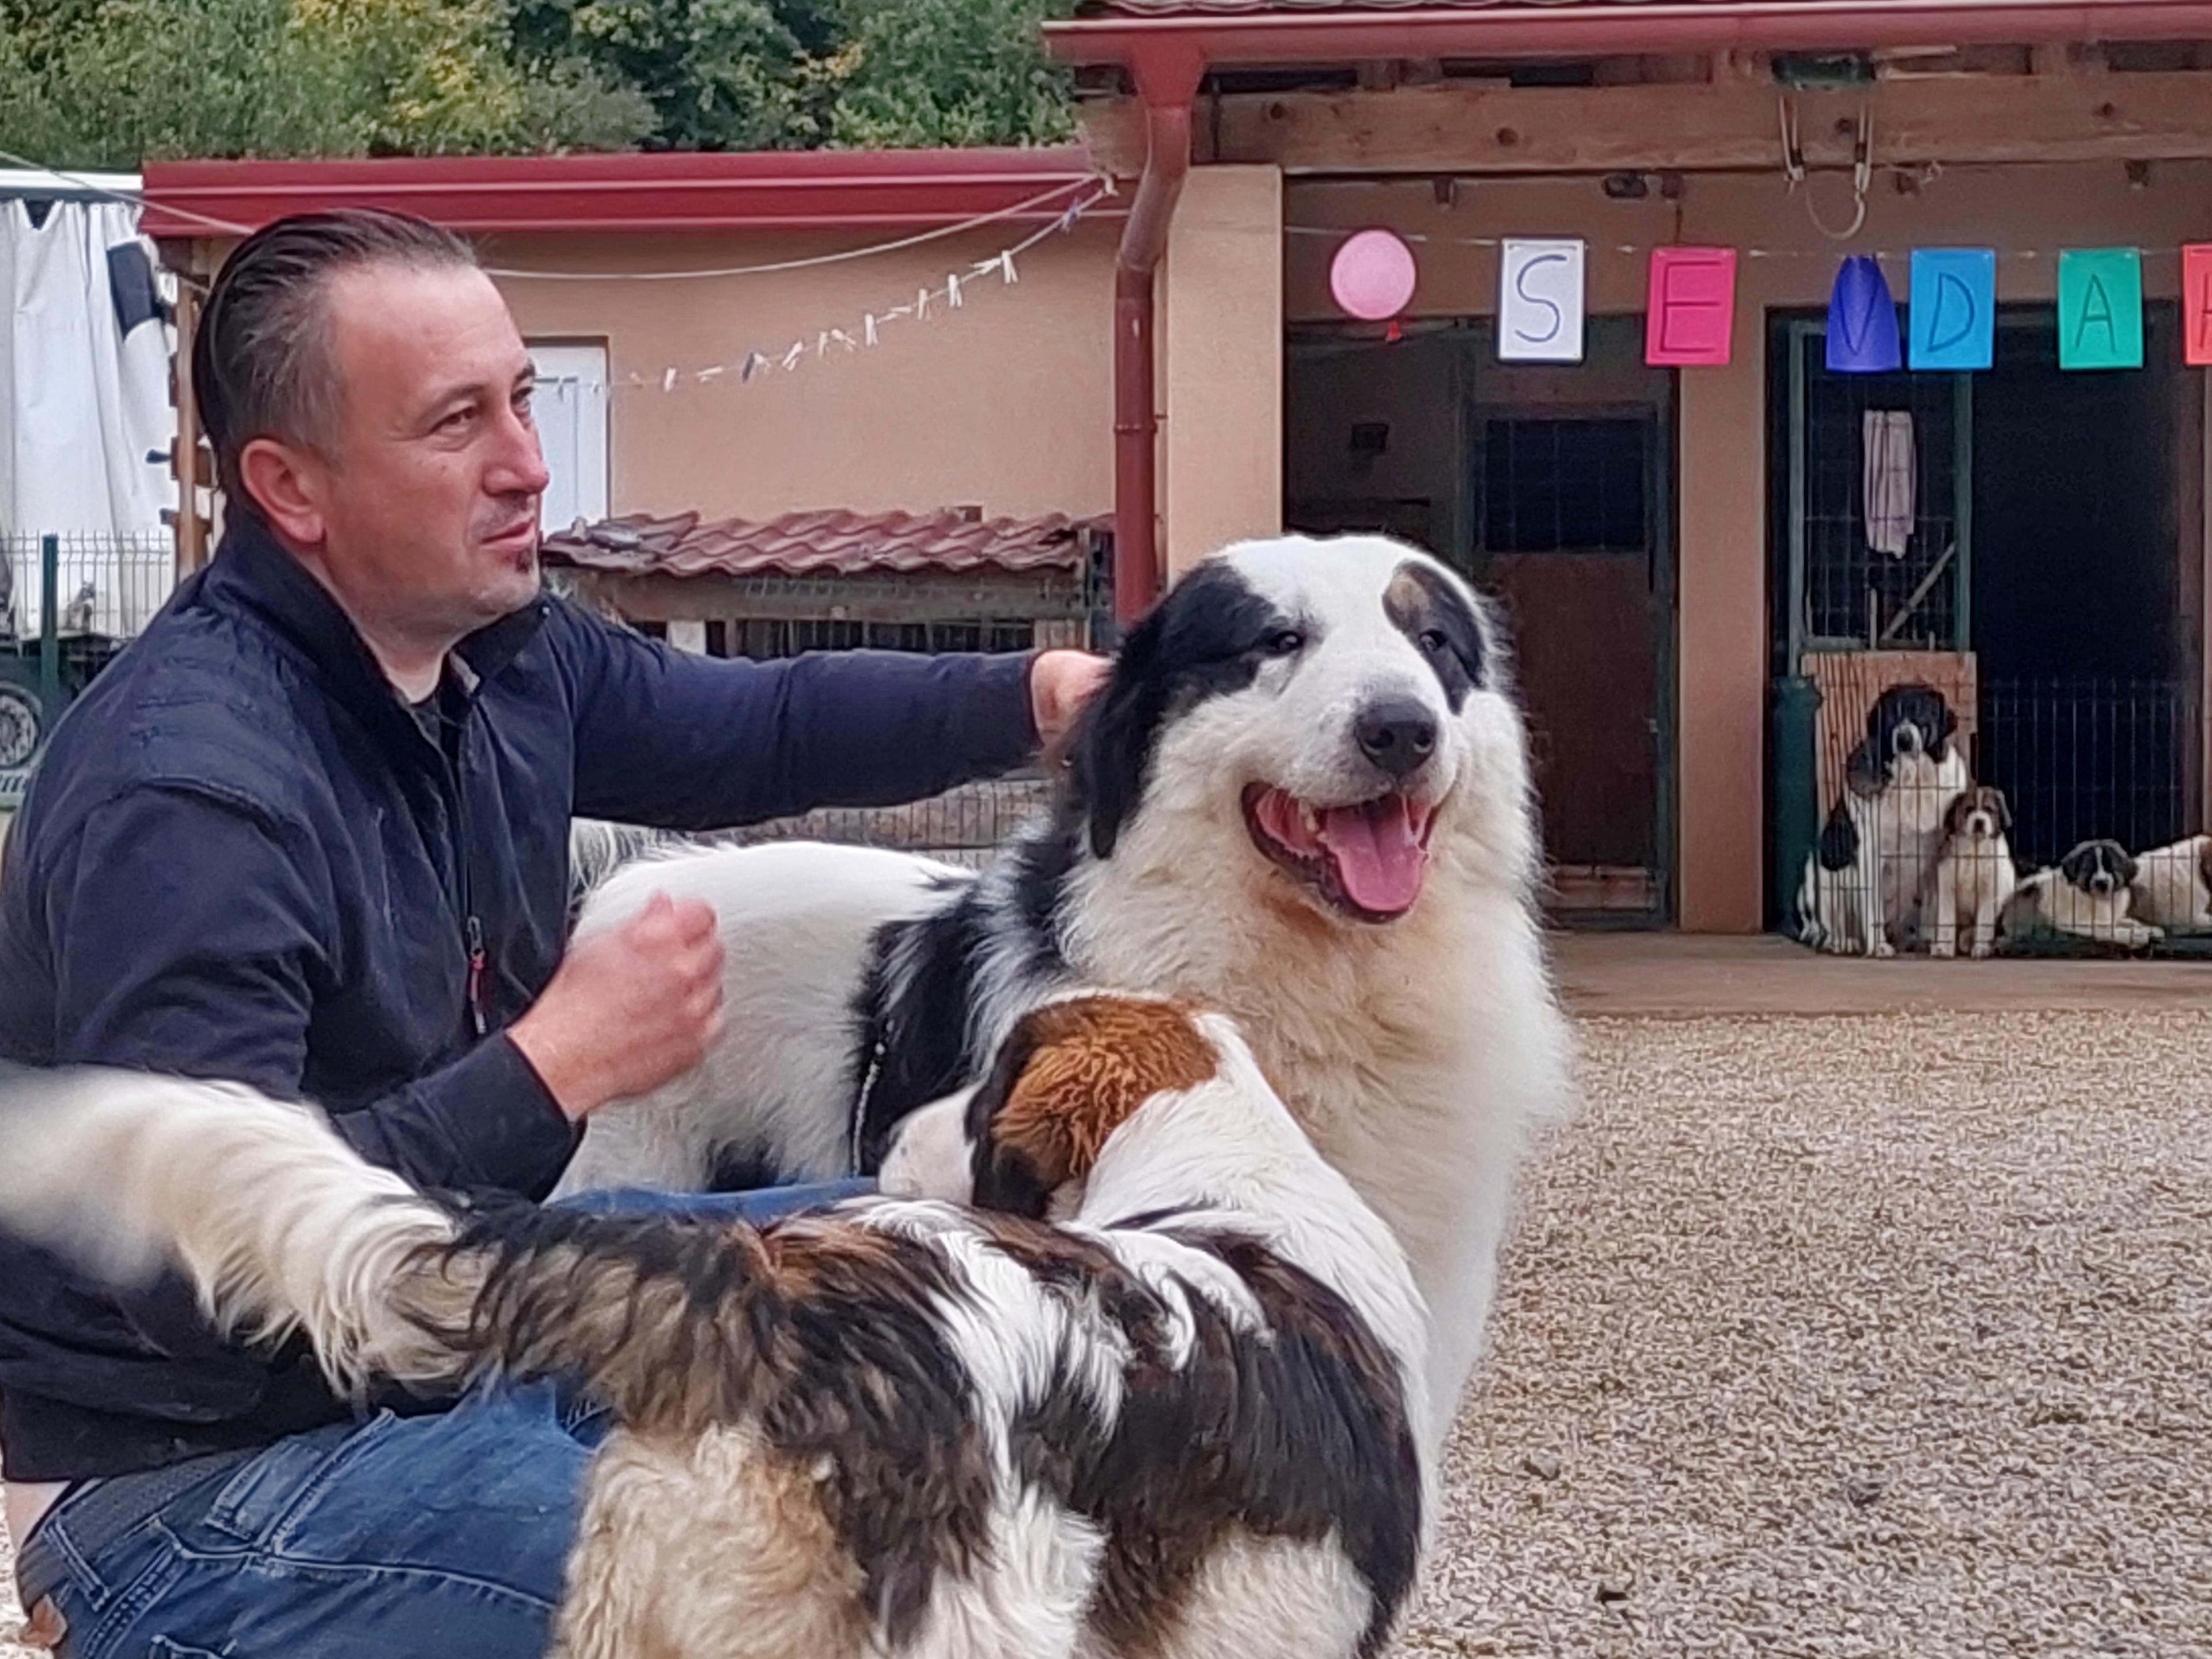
x,y
1550,487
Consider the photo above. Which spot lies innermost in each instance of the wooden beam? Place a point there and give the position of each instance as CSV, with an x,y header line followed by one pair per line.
x,y
1728,124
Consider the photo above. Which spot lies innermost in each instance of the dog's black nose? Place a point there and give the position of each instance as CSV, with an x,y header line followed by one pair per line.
x,y
1398,736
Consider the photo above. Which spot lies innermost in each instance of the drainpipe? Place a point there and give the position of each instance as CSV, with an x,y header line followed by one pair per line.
x,y
1167,80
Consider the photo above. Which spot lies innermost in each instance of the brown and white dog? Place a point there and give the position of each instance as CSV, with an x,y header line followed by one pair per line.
x,y
2172,887
896,1427
1974,872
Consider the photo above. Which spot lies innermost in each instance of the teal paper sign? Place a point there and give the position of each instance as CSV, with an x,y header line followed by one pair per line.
x,y
1953,308
2100,308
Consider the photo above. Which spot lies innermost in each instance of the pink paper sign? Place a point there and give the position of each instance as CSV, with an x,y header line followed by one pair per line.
x,y
1373,275
1690,313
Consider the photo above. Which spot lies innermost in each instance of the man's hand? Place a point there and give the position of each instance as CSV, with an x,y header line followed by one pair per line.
x,y
1061,683
628,1009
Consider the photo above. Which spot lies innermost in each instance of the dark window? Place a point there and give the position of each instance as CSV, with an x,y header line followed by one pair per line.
x,y
1563,486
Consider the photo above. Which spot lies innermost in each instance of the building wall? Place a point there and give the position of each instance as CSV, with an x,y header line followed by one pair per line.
x,y
1005,403
1721,415
1220,331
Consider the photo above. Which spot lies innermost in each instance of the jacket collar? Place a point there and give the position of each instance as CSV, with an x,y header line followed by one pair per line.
x,y
252,571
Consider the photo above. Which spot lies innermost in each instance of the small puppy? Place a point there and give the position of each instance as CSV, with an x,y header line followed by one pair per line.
x,y
2089,895
2172,888
1974,873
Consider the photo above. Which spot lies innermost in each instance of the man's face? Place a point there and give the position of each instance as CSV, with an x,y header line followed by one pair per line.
x,y
428,498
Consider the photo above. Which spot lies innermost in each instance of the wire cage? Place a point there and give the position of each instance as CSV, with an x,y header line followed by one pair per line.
x,y
961,826
2053,816
1880,509
107,586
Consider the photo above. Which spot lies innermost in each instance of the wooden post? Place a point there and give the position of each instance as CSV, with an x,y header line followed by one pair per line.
x,y
186,458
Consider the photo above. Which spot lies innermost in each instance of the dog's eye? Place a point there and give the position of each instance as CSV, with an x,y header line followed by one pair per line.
x,y
1433,640
1284,643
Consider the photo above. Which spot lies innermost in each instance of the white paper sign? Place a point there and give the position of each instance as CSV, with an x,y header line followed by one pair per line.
x,y
1539,301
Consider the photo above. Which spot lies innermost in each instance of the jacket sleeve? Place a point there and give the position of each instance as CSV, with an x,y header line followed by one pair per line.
x,y
681,742
189,939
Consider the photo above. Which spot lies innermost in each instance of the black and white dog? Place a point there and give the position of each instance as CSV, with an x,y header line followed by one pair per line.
x,y
2173,886
2089,894
1301,798
1867,881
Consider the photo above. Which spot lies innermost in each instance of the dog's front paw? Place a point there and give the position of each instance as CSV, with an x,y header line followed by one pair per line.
x,y
1983,951
1881,950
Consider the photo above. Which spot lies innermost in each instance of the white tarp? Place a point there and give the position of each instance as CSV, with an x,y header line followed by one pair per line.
x,y
84,400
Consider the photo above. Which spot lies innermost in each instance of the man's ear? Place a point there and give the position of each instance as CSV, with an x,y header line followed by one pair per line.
x,y
285,484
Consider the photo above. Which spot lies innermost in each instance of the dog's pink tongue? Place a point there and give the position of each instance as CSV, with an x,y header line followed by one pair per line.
x,y
1379,859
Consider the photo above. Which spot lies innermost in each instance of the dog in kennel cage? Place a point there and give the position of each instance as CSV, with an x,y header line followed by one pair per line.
x,y
1974,873
2172,887
2089,894
1873,871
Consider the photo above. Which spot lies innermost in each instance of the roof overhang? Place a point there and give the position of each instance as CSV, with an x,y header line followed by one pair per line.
x,y
1260,37
631,193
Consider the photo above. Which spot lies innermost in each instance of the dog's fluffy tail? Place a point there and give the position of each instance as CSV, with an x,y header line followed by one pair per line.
x,y
276,1221
282,1227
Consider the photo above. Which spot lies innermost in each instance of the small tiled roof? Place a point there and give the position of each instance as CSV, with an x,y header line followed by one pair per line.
x,y
832,541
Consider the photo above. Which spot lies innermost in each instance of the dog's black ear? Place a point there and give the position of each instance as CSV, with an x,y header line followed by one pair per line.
x,y
1947,727
2129,867
1862,776
2080,864
1005,1178
1113,742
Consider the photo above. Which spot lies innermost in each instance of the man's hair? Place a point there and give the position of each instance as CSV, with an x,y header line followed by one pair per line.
x,y
263,365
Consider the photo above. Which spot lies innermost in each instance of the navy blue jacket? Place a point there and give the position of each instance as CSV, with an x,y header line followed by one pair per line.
x,y
245,857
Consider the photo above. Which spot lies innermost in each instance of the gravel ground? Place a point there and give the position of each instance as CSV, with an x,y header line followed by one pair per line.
x,y
1848,1337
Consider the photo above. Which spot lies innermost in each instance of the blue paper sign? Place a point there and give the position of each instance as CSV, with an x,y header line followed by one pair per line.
x,y
1952,308
1862,321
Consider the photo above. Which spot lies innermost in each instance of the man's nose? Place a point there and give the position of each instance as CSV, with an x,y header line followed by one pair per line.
x,y
521,469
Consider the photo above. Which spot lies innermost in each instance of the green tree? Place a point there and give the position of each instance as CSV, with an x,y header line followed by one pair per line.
x,y
110,83
720,74
956,72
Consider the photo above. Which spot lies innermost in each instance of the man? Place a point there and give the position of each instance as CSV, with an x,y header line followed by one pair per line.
x,y
310,832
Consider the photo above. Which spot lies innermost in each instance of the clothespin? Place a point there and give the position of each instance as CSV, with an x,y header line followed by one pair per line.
x,y
868,329
753,364
952,292
668,380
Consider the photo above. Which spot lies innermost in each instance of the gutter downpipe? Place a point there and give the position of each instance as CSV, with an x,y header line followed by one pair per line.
x,y
1167,80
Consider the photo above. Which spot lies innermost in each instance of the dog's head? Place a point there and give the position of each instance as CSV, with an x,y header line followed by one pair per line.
x,y
1910,719
2098,866
1071,1073
1333,704
1979,814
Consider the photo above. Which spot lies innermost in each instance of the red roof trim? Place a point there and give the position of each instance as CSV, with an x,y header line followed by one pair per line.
x,y
792,190
1302,34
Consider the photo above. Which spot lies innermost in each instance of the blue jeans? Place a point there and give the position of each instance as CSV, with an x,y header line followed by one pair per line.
x,y
434,1535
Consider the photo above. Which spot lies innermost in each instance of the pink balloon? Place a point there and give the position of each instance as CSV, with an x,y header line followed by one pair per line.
x,y
1373,275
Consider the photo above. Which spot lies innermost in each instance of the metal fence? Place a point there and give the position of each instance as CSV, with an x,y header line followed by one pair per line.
x,y
961,826
108,585
2081,833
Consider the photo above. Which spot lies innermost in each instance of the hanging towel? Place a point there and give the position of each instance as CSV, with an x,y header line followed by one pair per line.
x,y
1889,504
